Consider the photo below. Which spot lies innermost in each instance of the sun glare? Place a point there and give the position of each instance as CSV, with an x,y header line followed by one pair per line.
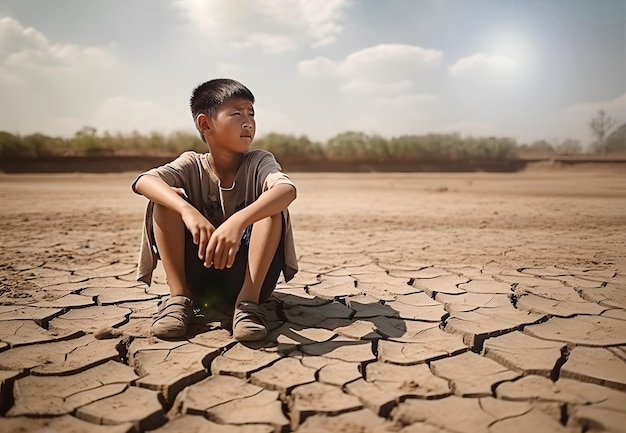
x,y
513,46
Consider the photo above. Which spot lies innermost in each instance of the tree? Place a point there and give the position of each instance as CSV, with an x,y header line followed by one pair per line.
x,y
568,147
541,147
11,145
600,127
616,142
289,146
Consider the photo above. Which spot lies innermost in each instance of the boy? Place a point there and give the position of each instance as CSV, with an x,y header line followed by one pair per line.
x,y
218,220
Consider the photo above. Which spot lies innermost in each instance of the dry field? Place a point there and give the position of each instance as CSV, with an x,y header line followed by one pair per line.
x,y
356,234
530,219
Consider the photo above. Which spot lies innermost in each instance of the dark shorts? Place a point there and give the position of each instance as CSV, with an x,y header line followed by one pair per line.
x,y
212,287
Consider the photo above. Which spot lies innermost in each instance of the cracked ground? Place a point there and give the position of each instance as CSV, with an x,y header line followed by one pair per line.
x,y
424,303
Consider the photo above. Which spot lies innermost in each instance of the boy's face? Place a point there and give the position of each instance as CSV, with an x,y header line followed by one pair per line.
x,y
233,127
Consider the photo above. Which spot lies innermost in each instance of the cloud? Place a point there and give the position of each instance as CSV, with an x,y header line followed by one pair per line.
x,y
123,114
270,44
319,66
320,19
24,48
386,88
384,63
28,59
275,26
15,38
364,86
616,106
389,60
374,76
481,63
378,74
42,81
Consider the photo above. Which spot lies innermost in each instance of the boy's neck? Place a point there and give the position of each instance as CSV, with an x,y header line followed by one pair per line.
x,y
225,166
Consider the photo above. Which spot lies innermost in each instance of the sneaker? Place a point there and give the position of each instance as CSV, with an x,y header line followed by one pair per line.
x,y
249,322
172,318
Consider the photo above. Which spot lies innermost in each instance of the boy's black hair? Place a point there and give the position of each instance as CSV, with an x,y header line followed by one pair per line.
x,y
207,97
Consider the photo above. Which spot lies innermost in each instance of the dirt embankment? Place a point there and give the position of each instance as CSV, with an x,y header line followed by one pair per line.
x,y
119,164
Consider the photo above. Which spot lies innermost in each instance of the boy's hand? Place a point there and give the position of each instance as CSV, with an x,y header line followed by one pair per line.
x,y
224,244
201,230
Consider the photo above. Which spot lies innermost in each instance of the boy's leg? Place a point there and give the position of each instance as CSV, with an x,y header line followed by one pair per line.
x,y
169,232
248,320
264,241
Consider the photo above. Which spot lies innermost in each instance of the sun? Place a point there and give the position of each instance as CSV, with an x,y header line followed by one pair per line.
x,y
514,48
510,45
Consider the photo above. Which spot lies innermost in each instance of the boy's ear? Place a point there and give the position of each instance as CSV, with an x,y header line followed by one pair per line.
x,y
202,123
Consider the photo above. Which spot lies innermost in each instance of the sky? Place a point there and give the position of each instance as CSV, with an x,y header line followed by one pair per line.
x,y
525,69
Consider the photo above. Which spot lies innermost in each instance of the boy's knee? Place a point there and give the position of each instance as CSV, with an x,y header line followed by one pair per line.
x,y
276,218
160,210
273,223
165,216
268,221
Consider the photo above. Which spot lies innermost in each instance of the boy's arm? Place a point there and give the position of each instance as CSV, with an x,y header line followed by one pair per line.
x,y
156,190
224,243
271,202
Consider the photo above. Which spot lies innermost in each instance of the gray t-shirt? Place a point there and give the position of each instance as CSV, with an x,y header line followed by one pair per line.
x,y
191,171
